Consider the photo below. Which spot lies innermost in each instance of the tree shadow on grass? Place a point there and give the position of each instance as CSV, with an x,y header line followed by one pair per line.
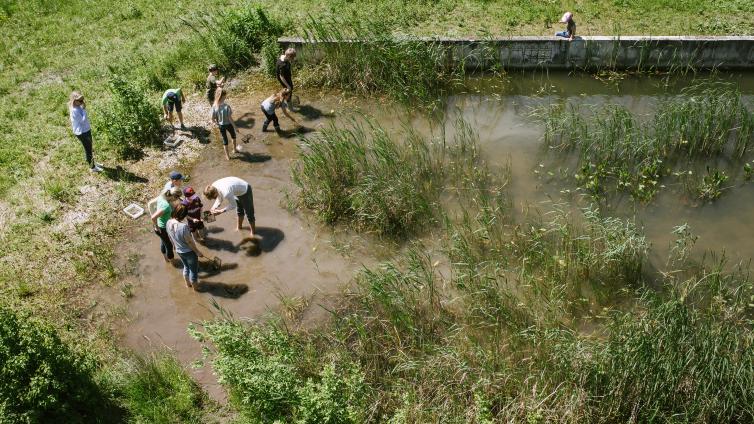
x,y
120,174
218,289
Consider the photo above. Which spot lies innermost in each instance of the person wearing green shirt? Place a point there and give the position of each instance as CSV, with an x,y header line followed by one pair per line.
x,y
173,99
160,217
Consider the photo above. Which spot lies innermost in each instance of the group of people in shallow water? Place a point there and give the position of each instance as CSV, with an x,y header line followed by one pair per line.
x,y
221,112
177,213
178,217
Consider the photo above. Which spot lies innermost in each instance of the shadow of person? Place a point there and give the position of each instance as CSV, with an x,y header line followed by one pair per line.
x,y
208,269
309,112
200,133
252,157
229,291
214,229
295,132
218,244
265,240
120,174
245,121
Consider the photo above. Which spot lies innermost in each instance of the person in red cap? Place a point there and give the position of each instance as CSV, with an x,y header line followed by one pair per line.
x,y
193,204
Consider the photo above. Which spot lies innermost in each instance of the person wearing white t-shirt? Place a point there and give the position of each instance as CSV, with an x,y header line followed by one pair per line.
x,y
239,197
82,129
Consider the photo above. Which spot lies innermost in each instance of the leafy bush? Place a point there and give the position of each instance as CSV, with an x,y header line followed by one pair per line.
x,y
129,121
262,367
270,52
41,378
158,390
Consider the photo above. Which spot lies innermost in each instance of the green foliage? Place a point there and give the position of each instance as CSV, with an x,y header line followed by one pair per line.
x,y
261,367
129,121
378,182
41,378
157,389
270,53
619,151
366,58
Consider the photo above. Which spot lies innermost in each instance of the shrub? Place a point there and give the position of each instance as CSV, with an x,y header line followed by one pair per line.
x,y
270,52
262,367
157,389
41,378
129,121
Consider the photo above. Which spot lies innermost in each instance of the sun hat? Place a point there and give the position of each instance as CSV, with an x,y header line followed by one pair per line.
x,y
188,191
175,175
566,17
172,96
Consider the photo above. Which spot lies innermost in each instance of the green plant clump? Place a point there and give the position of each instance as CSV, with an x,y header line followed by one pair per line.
x,y
42,379
157,389
269,381
130,121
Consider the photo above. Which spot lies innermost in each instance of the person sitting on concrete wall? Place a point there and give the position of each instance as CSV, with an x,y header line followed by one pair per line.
x,y
570,31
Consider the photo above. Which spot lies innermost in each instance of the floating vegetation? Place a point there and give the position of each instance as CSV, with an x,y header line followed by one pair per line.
x,y
620,151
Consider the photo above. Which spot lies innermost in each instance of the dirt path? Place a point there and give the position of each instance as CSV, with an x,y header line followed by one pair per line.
x,y
297,261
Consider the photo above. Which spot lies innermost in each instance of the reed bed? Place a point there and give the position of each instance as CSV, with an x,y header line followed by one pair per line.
x,y
620,151
389,185
365,57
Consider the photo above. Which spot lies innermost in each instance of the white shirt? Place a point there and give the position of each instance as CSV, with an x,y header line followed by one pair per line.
x,y
79,120
229,188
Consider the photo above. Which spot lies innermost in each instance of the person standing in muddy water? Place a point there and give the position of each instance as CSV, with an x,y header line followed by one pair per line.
x,y
284,73
270,104
185,245
193,204
213,83
82,129
222,115
176,180
239,196
164,209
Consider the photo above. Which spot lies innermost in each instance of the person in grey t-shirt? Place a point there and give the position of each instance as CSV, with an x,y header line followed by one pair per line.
x,y
222,115
180,234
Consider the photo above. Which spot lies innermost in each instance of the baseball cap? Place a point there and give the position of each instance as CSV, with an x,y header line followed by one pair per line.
x,y
175,175
188,191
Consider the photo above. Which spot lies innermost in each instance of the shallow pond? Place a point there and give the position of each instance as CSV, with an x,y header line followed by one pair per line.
x,y
302,263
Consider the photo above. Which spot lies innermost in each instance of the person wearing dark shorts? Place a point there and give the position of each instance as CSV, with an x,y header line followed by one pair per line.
x,y
160,217
82,129
239,196
283,71
222,115
173,99
213,83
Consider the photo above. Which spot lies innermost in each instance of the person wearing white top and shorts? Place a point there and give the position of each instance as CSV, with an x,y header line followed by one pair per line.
x,y
239,197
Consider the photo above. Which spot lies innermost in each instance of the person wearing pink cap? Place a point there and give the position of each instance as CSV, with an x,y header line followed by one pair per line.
x,y
570,31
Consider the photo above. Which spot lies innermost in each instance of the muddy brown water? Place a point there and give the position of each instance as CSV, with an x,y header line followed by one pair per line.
x,y
309,263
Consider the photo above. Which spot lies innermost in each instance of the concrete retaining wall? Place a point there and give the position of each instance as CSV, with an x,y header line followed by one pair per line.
x,y
634,52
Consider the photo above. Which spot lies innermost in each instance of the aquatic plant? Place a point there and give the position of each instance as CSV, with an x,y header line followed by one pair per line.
x,y
621,151
379,182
